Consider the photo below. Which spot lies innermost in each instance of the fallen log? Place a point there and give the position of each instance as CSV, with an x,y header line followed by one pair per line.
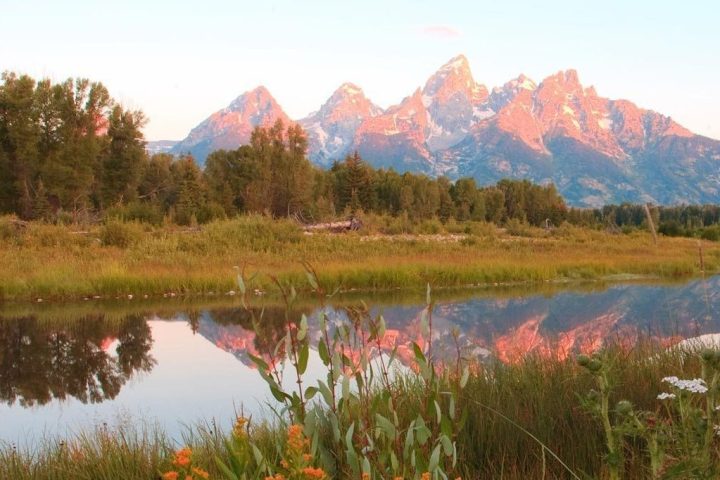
x,y
335,227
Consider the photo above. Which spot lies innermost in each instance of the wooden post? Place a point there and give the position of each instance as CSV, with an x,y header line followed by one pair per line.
x,y
700,253
650,222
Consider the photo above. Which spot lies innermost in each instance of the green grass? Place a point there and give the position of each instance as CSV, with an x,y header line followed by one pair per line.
x,y
539,394
57,262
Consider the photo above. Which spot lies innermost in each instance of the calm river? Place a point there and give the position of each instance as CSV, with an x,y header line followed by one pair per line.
x,y
64,368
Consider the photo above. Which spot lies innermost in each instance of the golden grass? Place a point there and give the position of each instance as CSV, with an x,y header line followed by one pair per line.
x,y
50,262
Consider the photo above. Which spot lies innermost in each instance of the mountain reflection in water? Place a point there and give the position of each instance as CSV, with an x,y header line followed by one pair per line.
x,y
57,364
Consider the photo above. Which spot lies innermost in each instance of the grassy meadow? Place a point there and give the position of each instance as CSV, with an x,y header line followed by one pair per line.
x,y
119,259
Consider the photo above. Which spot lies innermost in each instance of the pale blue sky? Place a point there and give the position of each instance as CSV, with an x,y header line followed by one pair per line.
x,y
179,61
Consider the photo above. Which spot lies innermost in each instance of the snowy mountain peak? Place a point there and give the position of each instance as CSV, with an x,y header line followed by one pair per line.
x,y
331,129
595,150
350,89
454,76
458,62
230,127
257,96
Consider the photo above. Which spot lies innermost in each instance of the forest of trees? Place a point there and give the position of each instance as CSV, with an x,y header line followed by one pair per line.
x,y
70,153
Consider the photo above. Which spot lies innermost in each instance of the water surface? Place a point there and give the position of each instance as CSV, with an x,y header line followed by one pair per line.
x,y
70,367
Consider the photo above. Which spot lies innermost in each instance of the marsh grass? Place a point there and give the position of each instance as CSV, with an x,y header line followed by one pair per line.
x,y
60,262
539,393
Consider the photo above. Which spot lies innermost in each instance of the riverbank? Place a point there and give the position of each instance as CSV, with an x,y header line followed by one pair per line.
x,y
50,262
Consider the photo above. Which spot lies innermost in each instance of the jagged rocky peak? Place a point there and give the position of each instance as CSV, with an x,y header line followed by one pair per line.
x,y
331,129
349,100
594,149
501,96
231,127
258,98
452,78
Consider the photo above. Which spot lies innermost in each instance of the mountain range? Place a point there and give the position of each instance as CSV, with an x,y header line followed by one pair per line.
x,y
595,150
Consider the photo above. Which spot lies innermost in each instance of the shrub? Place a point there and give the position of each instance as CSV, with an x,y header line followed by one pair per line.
x,y
119,234
520,229
10,228
710,233
671,229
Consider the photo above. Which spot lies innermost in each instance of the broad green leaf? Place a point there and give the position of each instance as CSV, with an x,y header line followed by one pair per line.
x,y
434,459
446,445
323,352
366,466
326,393
386,426
382,327
349,437
302,331
303,357
261,364
409,439
279,395
419,356
310,392
345,386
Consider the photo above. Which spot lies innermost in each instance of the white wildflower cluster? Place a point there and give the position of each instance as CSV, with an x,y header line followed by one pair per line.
x,y
696,385
717,430
665,396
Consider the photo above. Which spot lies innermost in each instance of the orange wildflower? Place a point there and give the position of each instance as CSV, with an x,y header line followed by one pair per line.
x,y
182,457
188,477
240,429
296,439
425,476
201,473
311,472
307,457
365,476
171,475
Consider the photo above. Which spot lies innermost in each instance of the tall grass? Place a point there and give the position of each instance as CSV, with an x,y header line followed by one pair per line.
x,y
541,394
46,261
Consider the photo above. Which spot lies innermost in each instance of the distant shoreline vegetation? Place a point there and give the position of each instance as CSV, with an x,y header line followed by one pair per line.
x,y
71,154
132,259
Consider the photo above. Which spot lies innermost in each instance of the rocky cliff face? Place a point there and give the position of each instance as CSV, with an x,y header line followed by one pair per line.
x,y
231,127
596,150
331,129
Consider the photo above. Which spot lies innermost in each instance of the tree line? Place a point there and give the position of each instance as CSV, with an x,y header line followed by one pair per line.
x,y
69,152
66,147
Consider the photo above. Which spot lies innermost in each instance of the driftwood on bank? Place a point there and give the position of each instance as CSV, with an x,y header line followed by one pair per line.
x,y
351,225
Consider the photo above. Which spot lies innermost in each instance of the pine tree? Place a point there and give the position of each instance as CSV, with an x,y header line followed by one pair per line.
x,y
41,205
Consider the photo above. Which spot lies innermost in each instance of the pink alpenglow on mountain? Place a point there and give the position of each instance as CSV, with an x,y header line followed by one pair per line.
x,y
594,149
231,127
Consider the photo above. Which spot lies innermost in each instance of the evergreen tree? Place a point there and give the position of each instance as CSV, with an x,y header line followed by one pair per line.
x,y
123,157
42,209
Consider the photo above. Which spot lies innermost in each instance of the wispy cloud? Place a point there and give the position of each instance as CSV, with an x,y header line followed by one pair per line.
x,y
441,31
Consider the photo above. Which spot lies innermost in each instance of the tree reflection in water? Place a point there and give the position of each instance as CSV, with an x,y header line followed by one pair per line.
x,y
42,361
